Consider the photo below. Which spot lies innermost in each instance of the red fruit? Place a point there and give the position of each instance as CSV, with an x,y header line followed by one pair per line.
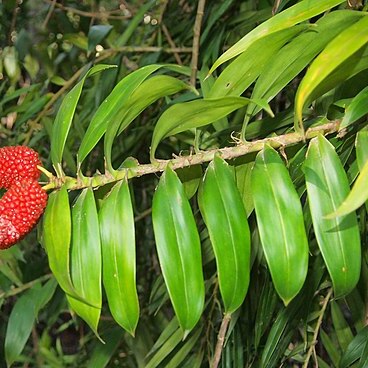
x,y
18,163
20,209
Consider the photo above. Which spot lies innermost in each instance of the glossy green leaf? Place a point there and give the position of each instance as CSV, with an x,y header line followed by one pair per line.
x,y
341,326
56,238
242,72
295,14
338,238
194,114
223,212
147,93
96,34
336,52
281,225
356,109
243,181
356,197
64,117
23,317
86,256
179,250
110,109
190,176
297,54
119,256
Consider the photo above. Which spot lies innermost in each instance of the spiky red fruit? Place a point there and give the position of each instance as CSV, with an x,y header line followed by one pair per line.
x,y
20,209
18,163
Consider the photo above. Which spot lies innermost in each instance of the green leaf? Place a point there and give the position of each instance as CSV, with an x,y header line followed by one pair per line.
x,y
23,317
179,250
281,225
243,71
96,34
361,146
341,326
110,110
119,258
296,55
194,114
86,256
64,118
336,52
295,14
57,236
355,349
356,197
356,109
224,215
243,179
338,238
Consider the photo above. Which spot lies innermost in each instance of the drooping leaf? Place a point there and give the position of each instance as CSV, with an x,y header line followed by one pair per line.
x,y
243,179
281,225
56,238
348,42
178,248
295,14
23,317
119,256
64,118
85,257
224,215
194,114
110,109
341,326
355,349
338,238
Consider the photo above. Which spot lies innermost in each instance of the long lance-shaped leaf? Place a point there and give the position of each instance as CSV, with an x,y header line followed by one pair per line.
x,y
178,248
281,225
297,54
223,212
64,117
361,146
119,256
336,52
338,238
56,238
85,257
295,14
194,114
109,110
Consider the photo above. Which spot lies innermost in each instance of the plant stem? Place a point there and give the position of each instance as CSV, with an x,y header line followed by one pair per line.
x,y
317,328
28,285
220,340
157,166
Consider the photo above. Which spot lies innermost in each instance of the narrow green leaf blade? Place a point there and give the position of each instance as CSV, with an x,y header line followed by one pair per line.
x,y
57,236
110,109
295,14
357,109
355,349
336,52
281,225
96,34
194,114
361,146
86,256
119,256
64,118
338,238
223,212
178,248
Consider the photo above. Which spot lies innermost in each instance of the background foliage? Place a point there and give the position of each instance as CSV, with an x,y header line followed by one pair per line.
x,y
130,73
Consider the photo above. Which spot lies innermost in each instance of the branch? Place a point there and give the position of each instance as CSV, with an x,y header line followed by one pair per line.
x,y
221,340
318,326
226,153
197,34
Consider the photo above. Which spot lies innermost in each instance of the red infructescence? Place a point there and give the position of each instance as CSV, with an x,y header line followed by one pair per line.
x,y
24,202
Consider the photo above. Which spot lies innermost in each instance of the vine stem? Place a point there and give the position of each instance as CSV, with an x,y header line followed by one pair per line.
x,y
157,166
220,340
318,327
